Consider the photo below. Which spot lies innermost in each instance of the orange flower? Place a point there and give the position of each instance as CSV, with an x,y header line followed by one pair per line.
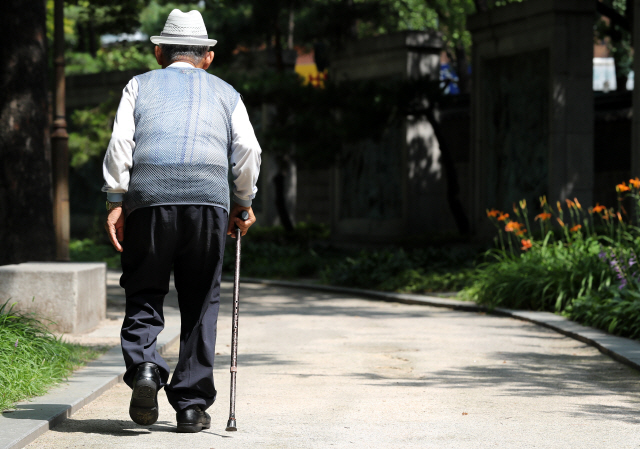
x,y
503,217
635,183
570,203
543,200
619,216
544,216
493,213
599,208
576,228
512,226
575,200
561,222
521,232
622,187
526,244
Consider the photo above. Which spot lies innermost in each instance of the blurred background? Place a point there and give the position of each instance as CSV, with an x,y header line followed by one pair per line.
x,y
388,127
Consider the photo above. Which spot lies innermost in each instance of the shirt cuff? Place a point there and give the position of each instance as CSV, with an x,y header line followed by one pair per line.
x,y
239,202
115,197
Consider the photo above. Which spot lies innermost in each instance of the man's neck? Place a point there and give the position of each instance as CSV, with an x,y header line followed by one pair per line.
x,y
184,61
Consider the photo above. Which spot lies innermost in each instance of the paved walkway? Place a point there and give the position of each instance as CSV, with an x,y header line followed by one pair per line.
x,y
322,370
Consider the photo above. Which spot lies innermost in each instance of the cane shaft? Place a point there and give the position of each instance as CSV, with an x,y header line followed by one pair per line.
x,y
234,331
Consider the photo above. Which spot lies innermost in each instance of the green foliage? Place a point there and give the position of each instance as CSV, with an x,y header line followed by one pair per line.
x,y
90,133
425,281
88,250
312,125
116,57
610,308
616,38
586,269
418,271
31,358
271,252
546,277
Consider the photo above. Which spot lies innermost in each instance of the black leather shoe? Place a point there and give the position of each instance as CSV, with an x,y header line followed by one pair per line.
x,y
144,398
192,419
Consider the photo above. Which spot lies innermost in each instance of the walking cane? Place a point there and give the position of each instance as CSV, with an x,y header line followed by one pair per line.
x,y
231,424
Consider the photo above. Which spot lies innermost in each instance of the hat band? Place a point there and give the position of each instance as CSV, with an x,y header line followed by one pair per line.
x,y
199,36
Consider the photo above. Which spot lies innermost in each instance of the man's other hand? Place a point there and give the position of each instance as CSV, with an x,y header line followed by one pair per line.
x,y
115,227
234,220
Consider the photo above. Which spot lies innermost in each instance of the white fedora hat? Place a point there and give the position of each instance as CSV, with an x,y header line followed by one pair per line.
x,y
184,28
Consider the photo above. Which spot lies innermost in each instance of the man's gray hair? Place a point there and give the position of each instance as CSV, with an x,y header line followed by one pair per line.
x,y
192,53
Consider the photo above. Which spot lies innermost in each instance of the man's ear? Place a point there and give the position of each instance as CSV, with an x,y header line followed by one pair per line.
x,y
207,60
159,56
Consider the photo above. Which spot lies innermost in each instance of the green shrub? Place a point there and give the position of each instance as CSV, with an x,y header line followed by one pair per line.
x,y
271,252
424,270
87,250
613,309
546,277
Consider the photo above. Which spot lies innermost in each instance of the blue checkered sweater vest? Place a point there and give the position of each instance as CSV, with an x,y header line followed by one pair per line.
x,y
182,139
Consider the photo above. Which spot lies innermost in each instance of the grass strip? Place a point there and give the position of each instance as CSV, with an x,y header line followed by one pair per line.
x,y
32,359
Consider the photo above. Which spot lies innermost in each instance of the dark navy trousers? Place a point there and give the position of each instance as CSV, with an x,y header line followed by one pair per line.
x,y
190,239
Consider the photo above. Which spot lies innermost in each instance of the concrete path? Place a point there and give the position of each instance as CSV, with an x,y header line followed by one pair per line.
x,y
324,370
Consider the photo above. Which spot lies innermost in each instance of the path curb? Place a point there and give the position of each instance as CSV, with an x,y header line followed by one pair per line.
x,y
30,419
621,349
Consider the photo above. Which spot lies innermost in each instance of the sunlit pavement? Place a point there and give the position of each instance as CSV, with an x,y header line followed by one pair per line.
x,y
327,370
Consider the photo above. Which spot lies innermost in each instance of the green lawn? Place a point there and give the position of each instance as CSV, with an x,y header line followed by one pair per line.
x,y
32,359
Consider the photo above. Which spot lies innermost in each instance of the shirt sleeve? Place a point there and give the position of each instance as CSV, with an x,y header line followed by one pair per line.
x,y
119,157
245,157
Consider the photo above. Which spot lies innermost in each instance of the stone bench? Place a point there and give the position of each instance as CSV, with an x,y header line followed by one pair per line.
x,y
72,295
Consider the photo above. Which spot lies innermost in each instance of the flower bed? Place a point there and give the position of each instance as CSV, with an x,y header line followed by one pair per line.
x,y
581,263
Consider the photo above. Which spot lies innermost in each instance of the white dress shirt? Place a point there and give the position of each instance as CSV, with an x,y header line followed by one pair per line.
x,y
245,149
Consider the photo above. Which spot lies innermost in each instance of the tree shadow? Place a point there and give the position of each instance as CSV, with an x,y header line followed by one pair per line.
x,y
307,303
536,375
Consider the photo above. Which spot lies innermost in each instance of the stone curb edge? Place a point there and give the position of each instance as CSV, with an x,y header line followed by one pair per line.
x,y
621,349
75,404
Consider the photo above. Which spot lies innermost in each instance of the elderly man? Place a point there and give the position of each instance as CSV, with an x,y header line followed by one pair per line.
x,y
176,133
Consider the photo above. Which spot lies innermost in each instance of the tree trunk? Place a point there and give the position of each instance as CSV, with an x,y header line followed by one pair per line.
x,y
277,48
629,14
26,213
279,182
280,179
291,26
93,39
453,187
462,68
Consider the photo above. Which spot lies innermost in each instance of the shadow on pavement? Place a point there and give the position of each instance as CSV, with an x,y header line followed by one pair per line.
x,y
298,302
530,374
39,412
118,427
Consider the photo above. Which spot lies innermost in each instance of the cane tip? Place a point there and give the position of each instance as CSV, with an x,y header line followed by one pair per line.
x,y
231,425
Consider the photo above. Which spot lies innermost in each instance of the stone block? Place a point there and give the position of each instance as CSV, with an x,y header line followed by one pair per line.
x,y
72,295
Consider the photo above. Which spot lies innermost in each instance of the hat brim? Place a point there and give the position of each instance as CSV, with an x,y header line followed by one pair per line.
x,y
183,40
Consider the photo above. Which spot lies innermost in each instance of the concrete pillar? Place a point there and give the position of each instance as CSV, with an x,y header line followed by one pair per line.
x,y
532,104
